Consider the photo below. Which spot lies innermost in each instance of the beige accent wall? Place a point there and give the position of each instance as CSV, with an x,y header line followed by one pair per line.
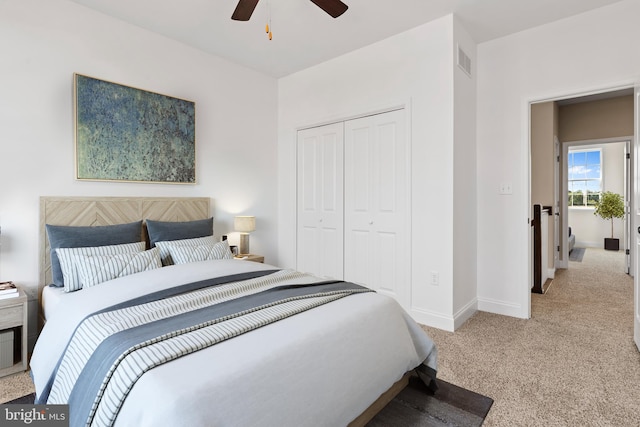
x,y
544,127
595,120
606,118
601,119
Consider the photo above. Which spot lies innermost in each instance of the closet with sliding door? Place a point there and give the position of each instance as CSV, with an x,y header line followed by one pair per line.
x,y
353,202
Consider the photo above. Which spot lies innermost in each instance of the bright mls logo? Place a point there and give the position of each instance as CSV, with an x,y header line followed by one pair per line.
x,y
35,415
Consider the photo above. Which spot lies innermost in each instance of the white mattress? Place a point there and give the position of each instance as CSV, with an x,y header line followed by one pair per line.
x,y
51,297
322,367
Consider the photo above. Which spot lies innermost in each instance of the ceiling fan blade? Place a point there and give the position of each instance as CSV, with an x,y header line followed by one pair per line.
x,y
244,10
334,8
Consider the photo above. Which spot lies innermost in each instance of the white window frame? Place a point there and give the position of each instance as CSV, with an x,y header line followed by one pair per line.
x,y
600,179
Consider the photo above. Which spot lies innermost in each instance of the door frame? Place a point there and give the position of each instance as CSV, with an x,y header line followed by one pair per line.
x,y
628,185
635,217
386,107
525,295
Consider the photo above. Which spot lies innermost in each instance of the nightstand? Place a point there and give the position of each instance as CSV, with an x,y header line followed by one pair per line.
x,y
251,257
13,315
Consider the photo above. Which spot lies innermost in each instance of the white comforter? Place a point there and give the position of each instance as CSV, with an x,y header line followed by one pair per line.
x,y
321,367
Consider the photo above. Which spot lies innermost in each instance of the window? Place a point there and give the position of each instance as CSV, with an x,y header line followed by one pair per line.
x,y
585,177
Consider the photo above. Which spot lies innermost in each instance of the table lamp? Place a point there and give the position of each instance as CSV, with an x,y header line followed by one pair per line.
x,y
245,225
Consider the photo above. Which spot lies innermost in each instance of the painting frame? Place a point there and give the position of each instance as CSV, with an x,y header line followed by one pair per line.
x,y
126,134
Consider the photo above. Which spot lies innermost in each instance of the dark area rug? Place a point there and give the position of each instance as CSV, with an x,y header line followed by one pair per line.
x,y
24,400
449,406
576,254
415,406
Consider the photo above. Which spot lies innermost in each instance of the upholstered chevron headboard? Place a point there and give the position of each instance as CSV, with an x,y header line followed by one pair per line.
x,y
93,211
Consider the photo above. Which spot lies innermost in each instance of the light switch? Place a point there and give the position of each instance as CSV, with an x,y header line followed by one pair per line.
x,y
505,188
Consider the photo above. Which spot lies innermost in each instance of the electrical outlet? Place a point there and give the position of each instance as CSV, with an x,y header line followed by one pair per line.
x,y
435,278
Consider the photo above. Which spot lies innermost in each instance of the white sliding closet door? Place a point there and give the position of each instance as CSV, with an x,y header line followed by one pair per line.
x,y
377,215
320,233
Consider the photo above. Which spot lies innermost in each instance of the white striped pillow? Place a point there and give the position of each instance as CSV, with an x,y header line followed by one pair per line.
x,y
186,254
95,269
67,257
165,255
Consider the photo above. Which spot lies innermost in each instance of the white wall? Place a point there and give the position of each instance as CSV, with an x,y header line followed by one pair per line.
x,y
590,230
43,43
414,69
465,227
589,52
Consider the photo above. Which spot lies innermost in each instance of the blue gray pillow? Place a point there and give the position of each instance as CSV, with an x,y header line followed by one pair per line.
x,y
81,237
162,231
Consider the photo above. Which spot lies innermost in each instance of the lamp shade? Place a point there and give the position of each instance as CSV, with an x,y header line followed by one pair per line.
x,y
245,224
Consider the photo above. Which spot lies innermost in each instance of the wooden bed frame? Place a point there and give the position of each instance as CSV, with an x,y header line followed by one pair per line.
x,y
96,211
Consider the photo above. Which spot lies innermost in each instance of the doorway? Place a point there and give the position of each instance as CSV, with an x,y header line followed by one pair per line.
x,y
591,168
588,123
558,124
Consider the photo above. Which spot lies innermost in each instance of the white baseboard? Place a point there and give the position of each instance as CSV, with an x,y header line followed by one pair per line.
x,y
442,321
551,273
465,313
581,244
501,307
432,319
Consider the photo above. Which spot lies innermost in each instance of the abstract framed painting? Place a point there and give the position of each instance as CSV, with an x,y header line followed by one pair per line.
x,y
128,134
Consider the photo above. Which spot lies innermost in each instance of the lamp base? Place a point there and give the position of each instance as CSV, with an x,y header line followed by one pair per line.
x,y
244,244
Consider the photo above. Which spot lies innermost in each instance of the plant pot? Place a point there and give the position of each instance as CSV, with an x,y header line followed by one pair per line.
x,y
611,244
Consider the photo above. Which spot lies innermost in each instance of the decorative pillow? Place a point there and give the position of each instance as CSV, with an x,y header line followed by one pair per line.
x,y
165,255
186,254
74,237
94,269
163,231
68,257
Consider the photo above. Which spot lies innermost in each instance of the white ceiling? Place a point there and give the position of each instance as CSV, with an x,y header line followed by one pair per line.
x,y
304,35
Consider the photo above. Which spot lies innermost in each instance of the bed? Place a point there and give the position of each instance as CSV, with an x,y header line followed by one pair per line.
x,y
253,344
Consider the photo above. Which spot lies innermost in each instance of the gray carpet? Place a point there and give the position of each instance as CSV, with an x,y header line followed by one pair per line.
x,y
577,254
574,363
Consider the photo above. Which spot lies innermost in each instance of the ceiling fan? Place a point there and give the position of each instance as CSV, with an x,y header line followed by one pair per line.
x,y
245,8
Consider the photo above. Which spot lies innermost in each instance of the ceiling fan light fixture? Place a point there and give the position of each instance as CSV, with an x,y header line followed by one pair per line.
x,y
245,8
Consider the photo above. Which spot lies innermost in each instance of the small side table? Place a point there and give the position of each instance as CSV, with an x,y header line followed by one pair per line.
x,y
13,314
251,257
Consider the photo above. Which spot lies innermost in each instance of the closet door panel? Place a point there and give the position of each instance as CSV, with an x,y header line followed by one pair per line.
x,y
360,188
385,164
377,222
320,198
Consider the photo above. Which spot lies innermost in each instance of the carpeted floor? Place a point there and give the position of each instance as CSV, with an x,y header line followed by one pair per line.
x,y
574,363
15,386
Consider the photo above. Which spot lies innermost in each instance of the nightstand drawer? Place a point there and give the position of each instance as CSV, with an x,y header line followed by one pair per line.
x,y
11,317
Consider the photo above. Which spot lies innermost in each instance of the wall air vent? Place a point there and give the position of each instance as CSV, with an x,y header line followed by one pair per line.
x,y
464,62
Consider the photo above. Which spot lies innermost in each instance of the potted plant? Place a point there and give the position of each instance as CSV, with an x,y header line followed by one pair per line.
x,y
610,206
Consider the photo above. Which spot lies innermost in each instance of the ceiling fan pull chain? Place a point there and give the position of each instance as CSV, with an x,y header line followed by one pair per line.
x,y
268,26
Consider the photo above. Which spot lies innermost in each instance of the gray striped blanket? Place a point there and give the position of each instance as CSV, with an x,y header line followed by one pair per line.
x,y
111,349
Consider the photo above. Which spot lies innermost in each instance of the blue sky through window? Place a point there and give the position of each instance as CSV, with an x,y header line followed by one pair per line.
x,y
585,176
